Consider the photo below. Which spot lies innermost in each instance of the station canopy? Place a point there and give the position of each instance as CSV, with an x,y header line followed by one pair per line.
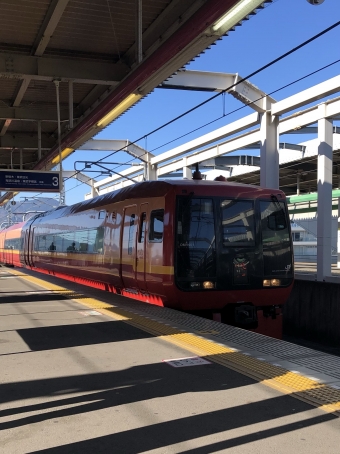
x,y
85,62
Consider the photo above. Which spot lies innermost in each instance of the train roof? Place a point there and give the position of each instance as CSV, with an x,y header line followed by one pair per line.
x,y
157,188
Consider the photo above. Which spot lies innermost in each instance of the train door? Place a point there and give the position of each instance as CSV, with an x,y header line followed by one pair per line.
x,y
26,234
141,247
128,249
30,245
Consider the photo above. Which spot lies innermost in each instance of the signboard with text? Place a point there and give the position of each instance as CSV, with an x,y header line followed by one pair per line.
x,y
29,180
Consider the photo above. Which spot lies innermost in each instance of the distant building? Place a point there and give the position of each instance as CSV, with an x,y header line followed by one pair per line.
x,y
304,243
18,211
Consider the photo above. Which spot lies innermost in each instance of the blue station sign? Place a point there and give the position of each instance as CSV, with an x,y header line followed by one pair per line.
x,y
29,180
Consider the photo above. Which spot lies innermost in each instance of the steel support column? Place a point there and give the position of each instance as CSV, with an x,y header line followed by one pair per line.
x,y
94,191
187,173
39,140
269,160
324,220
139,32
70,103
151,172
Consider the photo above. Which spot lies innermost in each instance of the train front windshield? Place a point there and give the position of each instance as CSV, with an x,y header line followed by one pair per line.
x,y
224,243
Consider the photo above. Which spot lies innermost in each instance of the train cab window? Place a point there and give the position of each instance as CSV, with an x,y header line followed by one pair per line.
x,y
142,227
237,222
102,214
156,226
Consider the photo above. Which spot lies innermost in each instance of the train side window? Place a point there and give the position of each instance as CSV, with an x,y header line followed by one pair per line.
x,y
131,233
142,228
81,240
68,241
156,226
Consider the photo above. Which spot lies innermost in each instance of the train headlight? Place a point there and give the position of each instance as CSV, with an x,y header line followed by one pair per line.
x,y
271,282
208,285
275,282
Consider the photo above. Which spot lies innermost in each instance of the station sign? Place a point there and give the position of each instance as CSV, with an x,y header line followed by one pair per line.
x,y
29,180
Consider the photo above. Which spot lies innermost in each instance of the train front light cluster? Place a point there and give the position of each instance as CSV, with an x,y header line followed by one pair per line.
x,y
271,282
206,285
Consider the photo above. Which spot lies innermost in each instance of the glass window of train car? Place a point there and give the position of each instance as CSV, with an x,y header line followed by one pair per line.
x,y
81,241
196,238
99,240
273,221
275,238
142,227
92,233
68,240
156,226
40,243
238,222
132,229
58,242
80,238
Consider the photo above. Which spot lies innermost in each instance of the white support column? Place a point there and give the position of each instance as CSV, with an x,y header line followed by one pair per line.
x,y
94,192
152,172
324,220
269,160
187,173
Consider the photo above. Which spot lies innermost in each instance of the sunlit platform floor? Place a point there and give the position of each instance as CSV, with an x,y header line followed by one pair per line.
x,y
84,371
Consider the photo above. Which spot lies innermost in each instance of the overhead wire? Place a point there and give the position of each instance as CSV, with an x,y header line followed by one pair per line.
x,y
227,114
262,68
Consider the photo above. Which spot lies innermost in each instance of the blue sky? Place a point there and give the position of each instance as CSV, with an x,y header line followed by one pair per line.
x,y
281,26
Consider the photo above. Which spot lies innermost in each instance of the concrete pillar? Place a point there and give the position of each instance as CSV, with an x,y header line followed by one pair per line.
x,y
269,160
187,173
325,170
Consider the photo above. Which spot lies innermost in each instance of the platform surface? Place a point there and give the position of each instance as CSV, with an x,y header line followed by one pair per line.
x,y
87,371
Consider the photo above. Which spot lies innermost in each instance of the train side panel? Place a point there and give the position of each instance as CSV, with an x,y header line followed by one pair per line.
x,y
10,243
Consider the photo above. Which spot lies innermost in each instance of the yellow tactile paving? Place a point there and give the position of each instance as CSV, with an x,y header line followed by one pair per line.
x,y
301,387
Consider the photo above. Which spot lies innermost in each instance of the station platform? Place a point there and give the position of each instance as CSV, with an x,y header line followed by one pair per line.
x,y
87,371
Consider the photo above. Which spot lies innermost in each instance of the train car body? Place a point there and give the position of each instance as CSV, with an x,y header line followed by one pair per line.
x,y
10,245
198,246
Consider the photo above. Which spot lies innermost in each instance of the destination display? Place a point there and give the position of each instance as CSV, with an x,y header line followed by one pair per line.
x,y
29,180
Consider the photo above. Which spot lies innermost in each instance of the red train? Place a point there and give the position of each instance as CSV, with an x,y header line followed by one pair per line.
x,y
214,248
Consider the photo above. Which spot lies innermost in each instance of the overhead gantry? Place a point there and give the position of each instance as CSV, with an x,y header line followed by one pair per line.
x,y
260,129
